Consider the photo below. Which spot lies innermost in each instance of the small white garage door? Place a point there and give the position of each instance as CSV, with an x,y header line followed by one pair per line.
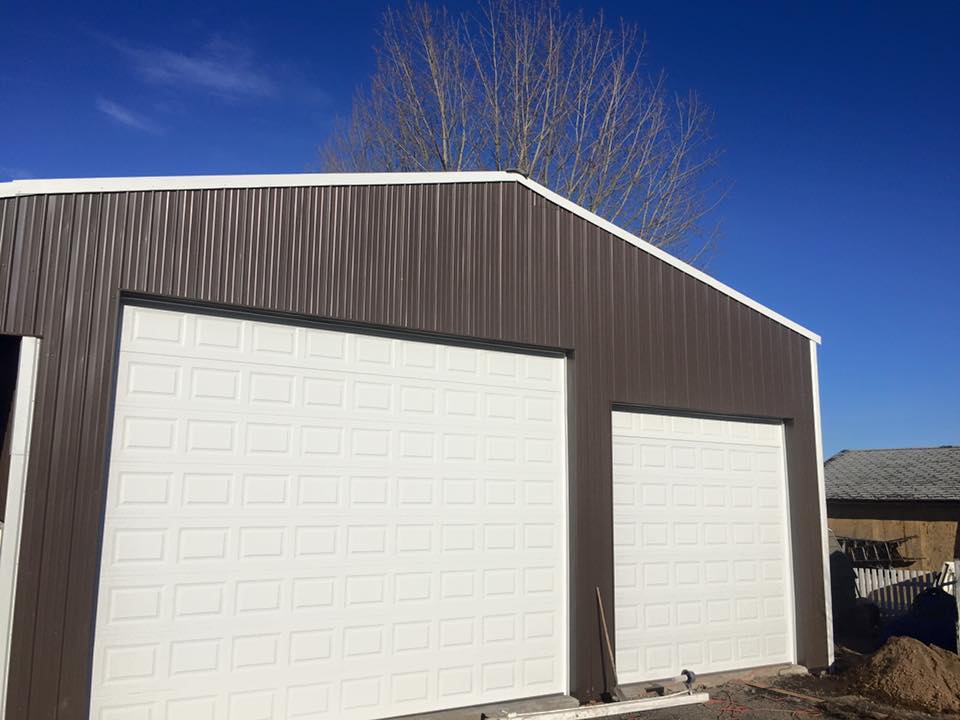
x,y
702,562
303,523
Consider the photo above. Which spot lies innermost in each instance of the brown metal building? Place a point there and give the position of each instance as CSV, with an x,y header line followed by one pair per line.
x,y
231,505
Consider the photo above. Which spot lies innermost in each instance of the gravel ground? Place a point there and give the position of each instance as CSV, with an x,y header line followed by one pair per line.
x,y
826,698
735,701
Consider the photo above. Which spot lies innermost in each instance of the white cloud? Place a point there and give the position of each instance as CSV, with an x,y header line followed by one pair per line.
x,y
221,67
14,173
126,117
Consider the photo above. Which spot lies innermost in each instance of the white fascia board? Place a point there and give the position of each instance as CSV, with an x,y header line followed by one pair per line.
x,y
218,182
822,499
224,182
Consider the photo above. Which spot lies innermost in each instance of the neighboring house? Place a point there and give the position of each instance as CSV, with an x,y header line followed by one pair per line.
x,y
898,493
361,446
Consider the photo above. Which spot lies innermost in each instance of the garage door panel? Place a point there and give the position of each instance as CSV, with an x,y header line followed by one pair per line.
x,y
284,502
304,697
297,688
154,547
406,645
142,489
265,390
139,606
275,346
698,431
151,433
700,545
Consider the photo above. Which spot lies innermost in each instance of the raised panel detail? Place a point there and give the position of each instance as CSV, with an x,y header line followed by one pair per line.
x,y
701,553
308,523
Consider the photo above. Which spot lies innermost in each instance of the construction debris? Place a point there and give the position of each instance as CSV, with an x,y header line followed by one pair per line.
x,y
614,709
909,674
868,553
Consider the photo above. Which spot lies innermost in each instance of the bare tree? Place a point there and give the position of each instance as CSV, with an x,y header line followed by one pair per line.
x,y
560,97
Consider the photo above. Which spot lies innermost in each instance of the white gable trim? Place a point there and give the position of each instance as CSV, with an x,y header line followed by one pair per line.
x,y
216,182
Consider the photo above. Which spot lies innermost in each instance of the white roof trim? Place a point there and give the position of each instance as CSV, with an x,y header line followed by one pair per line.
x,y
210,182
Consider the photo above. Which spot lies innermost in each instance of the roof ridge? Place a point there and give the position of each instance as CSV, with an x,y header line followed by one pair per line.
x,y
894,449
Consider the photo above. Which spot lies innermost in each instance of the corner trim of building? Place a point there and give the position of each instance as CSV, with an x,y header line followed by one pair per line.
x,y
821,492
24,402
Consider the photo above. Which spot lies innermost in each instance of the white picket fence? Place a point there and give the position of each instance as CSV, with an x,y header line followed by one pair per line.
x,y
893,590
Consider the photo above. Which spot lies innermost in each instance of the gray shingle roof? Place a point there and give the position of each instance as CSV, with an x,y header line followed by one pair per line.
x,y
896,474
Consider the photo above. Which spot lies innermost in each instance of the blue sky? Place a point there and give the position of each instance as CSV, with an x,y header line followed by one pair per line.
x,y
839,122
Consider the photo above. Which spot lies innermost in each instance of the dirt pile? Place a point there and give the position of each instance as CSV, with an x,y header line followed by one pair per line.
x,y
907,673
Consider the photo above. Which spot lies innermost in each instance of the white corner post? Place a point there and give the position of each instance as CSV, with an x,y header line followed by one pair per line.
x,y
22,422
822,495
956,596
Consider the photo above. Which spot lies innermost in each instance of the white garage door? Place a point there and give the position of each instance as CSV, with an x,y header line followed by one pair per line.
x,y
702,563
304,523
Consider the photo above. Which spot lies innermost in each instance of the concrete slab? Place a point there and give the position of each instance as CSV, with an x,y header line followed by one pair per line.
x,y
630,692
637,690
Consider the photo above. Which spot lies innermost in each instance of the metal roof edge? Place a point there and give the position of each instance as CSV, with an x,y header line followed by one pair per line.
x,y
220,182
890,499
17,188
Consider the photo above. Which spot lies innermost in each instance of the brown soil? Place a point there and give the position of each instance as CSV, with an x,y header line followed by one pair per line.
x,y
907,673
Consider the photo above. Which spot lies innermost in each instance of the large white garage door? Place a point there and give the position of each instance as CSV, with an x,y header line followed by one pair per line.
x,y
304,523
702,563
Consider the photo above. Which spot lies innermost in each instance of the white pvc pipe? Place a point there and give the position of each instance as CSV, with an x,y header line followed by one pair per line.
x,y
584,712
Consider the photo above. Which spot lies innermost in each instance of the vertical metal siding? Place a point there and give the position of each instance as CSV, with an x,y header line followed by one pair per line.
x,y
492,261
